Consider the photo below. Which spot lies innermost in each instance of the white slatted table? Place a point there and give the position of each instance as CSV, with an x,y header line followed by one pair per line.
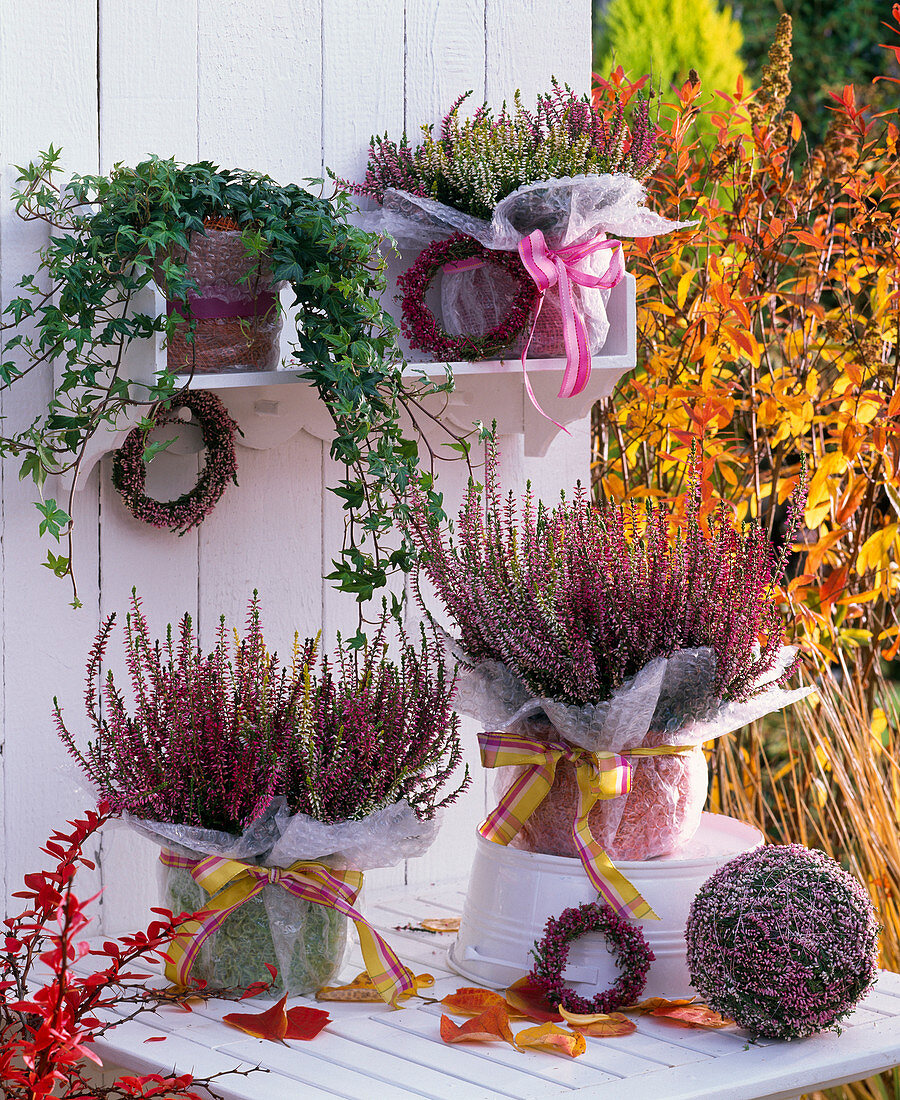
x,y
373,1053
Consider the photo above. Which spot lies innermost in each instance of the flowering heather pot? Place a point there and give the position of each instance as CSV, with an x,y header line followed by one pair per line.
x,y
234,309
660,813
305,942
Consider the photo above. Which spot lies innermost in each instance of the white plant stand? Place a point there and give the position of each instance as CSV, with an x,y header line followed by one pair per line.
x,y
373,1053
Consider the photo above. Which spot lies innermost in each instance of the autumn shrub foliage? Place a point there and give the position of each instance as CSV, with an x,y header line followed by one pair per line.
x,y
50,1013
769,331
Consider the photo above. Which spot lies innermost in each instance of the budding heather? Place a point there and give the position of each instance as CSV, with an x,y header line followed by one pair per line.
x,y
575,600
212,739
473,163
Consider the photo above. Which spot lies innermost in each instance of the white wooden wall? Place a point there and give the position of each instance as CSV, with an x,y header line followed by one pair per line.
x,y
282,86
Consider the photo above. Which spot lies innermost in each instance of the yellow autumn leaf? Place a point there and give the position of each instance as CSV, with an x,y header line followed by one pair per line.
x,y
875,549
683,284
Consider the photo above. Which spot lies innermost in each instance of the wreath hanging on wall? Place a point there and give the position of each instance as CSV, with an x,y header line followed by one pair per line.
x,y
625,940
129,474
421,327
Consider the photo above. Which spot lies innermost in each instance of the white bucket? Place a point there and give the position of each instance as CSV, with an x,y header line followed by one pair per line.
x,y
512,894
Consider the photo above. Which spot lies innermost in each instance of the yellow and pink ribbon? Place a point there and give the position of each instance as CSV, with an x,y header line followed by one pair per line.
x,y
231,882
599,775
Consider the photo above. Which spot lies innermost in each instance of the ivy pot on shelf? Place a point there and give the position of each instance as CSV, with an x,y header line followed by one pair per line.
x,y
232,321
601,648
270,788
91,308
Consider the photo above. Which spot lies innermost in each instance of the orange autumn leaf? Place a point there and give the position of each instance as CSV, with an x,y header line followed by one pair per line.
x,y
277,1025
693,1015
491,1025
551,1038
362,990
600,1024
441,924
651,1003
472,1001
531,1001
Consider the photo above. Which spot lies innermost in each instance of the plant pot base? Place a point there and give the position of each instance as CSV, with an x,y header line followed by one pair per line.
x,y
512,893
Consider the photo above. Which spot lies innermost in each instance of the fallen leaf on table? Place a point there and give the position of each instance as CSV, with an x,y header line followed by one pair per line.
x,y
652,1003
305,1023
531,1001
693,1015
552,1038
362,990
277,1025
156,1039
271,1024
605,1026
491,1025
471,1001
441,924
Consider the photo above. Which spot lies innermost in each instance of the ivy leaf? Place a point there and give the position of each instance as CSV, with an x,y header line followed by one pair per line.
x,y
55,519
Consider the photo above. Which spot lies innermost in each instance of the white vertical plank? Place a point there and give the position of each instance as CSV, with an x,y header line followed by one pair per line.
x,y
148,104
444,58
259,87
148,80
48,85
266,534
526,44
530,41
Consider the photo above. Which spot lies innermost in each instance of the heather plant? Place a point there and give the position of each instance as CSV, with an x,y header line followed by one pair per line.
x,y
213,739
207,734
575,599
373,732
471,164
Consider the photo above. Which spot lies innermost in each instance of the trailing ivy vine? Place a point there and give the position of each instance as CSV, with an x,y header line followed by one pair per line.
x,y
77,311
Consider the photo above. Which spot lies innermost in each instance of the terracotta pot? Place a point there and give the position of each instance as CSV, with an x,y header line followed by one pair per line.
x,y
235,308
661,811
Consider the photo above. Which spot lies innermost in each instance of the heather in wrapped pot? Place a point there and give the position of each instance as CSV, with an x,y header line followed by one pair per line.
x,y
270,788
554,185
600,647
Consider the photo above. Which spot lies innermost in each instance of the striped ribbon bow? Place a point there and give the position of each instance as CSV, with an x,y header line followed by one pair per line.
x,y
562,266
599,775
230,883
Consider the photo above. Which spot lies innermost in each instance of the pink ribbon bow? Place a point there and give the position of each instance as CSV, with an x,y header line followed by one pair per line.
x,y
561,266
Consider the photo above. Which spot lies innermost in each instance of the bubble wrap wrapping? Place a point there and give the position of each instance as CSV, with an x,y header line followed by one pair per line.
x,y
670,701
305,941
218,262
567,211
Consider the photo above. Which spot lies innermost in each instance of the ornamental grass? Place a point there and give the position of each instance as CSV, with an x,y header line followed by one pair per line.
x,y
211,739
577,599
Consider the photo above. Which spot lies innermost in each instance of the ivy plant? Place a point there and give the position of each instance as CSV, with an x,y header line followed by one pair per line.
x,y
77,311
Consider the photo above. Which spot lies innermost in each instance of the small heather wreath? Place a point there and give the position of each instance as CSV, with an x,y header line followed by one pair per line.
x,y
633,958
421,327
130,473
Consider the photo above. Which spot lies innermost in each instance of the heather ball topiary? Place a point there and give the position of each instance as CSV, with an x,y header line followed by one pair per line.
x,y
783,941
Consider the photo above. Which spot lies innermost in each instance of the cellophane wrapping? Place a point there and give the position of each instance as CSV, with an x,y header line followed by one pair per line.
x,y
218,262
670,701
306,942
569,210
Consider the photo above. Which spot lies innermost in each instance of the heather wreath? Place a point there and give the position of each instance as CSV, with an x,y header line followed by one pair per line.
x,y
574,600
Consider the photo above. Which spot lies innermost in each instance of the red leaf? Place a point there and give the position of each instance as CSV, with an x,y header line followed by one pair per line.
x,y
472,1001
156,1039
271,1024
531,1001
305,1023
696,1015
